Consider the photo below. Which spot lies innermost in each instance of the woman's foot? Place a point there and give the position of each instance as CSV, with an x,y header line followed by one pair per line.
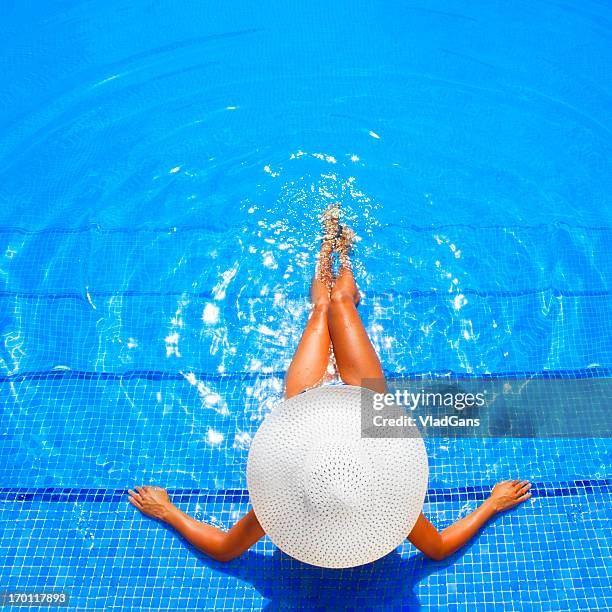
x,y
338,239
323,278
324,268
345,282
330,220
344,246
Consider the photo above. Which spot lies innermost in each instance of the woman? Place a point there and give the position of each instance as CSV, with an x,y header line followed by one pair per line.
x,y
333,324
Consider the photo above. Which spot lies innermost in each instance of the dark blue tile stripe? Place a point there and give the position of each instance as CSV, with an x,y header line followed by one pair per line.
x,y
96,227
598,373
409,293
59,494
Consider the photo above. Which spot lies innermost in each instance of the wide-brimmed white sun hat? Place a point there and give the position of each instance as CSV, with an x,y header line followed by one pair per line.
x,y
324,493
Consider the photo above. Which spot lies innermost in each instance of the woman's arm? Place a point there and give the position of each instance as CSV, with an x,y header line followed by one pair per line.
x,y
220,545
438,545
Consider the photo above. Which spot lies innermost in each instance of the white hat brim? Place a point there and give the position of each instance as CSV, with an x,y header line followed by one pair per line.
x,y
325,494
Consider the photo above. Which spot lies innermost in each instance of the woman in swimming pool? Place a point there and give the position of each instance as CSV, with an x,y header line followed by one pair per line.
x,y
334,323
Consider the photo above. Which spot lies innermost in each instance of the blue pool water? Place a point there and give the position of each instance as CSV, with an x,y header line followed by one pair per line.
x,y
163,166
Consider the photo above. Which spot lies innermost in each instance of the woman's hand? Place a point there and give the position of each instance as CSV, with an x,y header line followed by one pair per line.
x,y
152,501
507,494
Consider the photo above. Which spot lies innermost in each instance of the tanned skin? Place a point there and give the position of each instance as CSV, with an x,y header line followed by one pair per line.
x,y
333,328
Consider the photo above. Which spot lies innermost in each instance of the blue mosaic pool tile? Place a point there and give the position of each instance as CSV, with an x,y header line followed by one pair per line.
x,y
550,553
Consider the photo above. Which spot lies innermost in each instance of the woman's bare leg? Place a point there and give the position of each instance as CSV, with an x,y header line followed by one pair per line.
x,y
356,359
312,356
309,364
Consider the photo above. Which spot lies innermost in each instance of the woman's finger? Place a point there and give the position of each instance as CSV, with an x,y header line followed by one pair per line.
x,y
526,485
133,501
522,498
134,494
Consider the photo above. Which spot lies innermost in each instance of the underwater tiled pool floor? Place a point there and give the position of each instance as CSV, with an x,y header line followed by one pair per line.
x,y
553,553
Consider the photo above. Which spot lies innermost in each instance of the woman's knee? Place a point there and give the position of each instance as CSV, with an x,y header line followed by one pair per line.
x,y
341,298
